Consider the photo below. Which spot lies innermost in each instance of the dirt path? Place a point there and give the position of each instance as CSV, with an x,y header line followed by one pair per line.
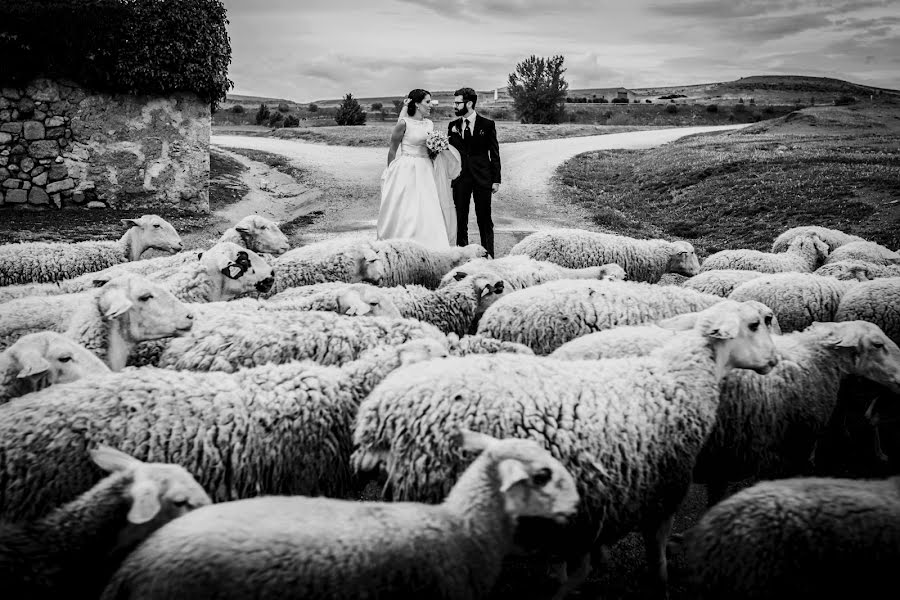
x,y
349,178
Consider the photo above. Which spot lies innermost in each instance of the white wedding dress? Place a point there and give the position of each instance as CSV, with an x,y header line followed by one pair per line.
x,y
416,201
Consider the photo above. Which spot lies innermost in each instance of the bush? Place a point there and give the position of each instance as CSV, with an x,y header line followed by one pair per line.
x,y
398,104
739,108
283,107
603,101
712,108
671,109
313,107
350,112
276,119
152,47
648,101
238,109
619,101
844,100
376,106
291,121
262,114
538,89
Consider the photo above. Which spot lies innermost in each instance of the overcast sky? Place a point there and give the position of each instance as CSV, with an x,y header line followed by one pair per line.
x,y
307,50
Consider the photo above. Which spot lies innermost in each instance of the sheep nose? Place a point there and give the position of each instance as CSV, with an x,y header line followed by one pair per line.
x,y
189,316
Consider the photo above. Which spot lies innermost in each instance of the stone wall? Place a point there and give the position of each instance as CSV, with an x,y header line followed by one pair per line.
x,y
63,146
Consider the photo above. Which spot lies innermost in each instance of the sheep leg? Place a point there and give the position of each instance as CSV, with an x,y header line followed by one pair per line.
x,y
655,541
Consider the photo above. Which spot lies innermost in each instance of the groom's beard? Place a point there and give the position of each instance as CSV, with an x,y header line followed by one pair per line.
x,y
461,112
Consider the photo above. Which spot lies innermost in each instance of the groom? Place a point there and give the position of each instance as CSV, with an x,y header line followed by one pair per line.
x,y
476,139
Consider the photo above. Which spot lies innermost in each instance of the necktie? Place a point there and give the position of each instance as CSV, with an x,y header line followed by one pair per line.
x,y
466,130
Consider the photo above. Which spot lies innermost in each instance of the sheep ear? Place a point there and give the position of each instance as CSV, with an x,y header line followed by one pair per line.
x,y
460,275
512,472
474,441
33,365
370,255
724,327
679,322
144,501
111,460
114,303
129,223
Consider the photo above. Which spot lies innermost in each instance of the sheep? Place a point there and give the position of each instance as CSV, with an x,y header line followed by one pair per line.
x,y
332,260
273,429
719,282
875,301
643,260
865,251
805,254
858,270
478,344
628,429
835,238
252,233
798,538
353,299
798,299
74,550
546,316
520,271
42,359
409,262
52,261
327,548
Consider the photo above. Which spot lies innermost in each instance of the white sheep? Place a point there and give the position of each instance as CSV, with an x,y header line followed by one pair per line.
x,y
252,233
546,316
53,261
519,271
643,260
273,429
798,299
350,261
805,254
858,270
42,359
409,262
865,251
719,282
72,551
352,299
875,301
835,238
628,429
798,538
327,548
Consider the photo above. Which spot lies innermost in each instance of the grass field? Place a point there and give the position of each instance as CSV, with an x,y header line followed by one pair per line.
x,y
832,166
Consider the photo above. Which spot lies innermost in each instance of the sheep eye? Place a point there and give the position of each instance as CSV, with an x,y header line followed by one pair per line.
x,y
156,225
64,359
878,345
180,503
145,297
542,477
754,326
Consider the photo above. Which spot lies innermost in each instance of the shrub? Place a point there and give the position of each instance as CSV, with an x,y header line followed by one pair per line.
x,y
538,89
619,101
712,108
397,105
276,119
313,107
283,107
262,114
120,46
350,112
291,121
603,100
648,101
376,106
238,109
769,110
739,108
671,109
844,100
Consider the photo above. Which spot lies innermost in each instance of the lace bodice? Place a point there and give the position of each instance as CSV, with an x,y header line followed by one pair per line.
x,y
413,142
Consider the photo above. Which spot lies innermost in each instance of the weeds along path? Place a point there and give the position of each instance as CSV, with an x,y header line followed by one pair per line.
x,y
350,177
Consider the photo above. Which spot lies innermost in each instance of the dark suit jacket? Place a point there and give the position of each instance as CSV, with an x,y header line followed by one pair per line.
x,y
481,156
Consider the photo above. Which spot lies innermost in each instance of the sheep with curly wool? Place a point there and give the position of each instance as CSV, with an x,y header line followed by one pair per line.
x,y
805,254
865,251
479,344
42,359
352,299
519,271
835,238
74,550
798,299
719,282
410,262
339,549
52,261
859,270
350,261
546,316
643,260
273,429
798,538
628,429
254,233
876,301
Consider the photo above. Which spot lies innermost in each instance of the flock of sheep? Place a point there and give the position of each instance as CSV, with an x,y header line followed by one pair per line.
x,y
202,424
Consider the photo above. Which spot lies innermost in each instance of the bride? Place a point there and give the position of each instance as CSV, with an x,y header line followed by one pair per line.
x,y
416,201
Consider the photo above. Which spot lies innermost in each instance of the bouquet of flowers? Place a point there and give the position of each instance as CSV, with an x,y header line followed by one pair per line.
x,y
436,142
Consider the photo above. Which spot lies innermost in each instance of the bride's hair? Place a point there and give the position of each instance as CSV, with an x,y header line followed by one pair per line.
x,y
415,96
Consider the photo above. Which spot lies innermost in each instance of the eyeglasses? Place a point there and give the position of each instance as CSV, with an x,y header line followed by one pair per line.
x,y
459,103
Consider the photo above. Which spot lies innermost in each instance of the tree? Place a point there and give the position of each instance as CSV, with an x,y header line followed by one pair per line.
x,y
376,106
350,112
262,115
538,89
313,107
397,105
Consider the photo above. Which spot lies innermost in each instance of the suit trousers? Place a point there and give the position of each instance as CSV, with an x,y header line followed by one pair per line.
x,y
463,189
